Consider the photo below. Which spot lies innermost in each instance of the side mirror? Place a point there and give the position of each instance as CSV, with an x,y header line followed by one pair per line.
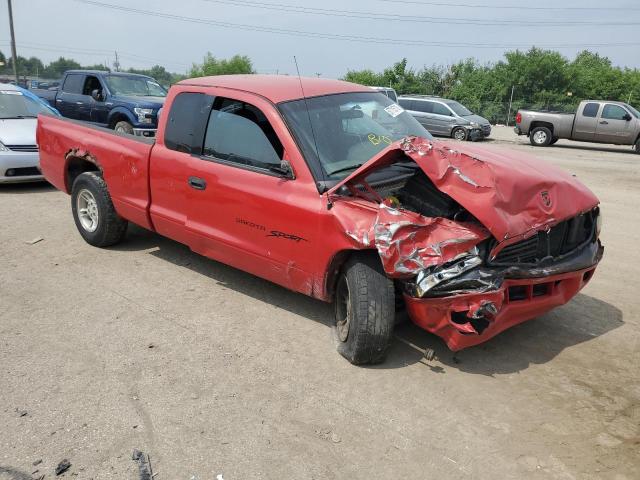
x,y
284,170
96,95
627,117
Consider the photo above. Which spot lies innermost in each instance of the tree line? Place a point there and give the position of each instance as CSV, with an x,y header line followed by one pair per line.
x,y
540,79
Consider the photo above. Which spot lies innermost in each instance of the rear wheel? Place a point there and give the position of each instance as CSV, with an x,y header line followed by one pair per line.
x,y
459,134
124,127
540,137
364,311
93,211
638,146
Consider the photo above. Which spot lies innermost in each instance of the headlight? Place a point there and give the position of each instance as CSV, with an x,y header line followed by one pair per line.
x,y
3,148
144,114
427,279
599,223
475,124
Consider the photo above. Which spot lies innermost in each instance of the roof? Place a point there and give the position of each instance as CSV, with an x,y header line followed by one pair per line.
x,y
107,72
277,88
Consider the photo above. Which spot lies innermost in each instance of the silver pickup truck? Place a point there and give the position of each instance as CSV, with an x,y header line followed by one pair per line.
x,y
595,121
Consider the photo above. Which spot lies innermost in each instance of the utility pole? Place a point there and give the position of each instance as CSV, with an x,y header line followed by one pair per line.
x,y
116,64
13,43
510,102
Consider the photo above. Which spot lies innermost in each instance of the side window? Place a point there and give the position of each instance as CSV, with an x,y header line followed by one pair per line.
x,y
591,110
73,83
613,112
90,84
422,106
440,109
187,121
406,103
240,133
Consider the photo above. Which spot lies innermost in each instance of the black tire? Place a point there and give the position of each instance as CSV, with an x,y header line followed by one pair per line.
x,y
459,133
553,140
123,127
540,137
638,146
364,310
107,228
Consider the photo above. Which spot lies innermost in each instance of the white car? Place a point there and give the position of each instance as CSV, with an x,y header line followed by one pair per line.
x,y
19,159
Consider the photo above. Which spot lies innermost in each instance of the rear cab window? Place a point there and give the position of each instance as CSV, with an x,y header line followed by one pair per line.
x,y
73,83
187,122
591,110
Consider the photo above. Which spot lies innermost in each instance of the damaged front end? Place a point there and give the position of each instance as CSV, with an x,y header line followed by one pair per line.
x,y
475,243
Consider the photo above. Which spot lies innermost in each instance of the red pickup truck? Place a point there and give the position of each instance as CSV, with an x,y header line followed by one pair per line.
x,y
330,189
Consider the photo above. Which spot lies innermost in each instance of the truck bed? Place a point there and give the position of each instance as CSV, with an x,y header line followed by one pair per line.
x,y
562,122
64,143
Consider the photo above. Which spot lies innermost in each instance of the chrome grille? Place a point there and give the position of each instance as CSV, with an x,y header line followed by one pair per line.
x,y
561,239
22,148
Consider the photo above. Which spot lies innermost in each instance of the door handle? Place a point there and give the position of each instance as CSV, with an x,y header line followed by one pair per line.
x,y
79,103
197,183
604,122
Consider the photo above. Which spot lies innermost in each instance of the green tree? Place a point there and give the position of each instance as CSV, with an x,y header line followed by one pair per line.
x,y
214,66
56,68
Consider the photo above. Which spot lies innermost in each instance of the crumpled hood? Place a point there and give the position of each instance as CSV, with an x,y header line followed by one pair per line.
x,y
511,194
18,131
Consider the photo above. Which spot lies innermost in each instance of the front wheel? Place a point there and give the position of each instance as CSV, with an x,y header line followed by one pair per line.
x,y
540,137
93,211
124,127
459,134
364,311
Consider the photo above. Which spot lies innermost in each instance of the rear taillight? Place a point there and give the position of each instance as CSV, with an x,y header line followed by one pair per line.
x,y
518,117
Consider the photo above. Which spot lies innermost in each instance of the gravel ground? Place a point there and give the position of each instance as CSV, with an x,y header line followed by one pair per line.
x,y
211,371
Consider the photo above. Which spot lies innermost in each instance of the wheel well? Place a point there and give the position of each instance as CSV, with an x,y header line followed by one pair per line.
x,y
336,265
118,117
541,124
77,165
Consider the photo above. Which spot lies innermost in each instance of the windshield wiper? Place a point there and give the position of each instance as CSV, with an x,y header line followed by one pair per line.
x,y
346,169
18,117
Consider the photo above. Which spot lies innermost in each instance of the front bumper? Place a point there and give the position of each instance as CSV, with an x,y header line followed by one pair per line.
x,y
145,132
16,167
478,133
516,301
469,318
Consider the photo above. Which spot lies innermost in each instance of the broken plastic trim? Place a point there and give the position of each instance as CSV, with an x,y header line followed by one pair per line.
x,y
427,279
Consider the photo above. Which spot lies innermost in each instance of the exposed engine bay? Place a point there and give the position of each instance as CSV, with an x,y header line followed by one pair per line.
x,y
438,248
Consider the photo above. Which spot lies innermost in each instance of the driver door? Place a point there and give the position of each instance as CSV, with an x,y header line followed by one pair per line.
x,y
239,210
614,125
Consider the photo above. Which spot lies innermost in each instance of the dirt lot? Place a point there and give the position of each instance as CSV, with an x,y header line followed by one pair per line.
x,y
212,371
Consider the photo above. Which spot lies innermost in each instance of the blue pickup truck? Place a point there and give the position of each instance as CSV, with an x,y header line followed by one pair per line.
x,y
124,102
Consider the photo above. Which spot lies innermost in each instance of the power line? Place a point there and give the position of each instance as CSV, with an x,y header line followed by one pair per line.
x,y
90,52
415,18
510,7
347,38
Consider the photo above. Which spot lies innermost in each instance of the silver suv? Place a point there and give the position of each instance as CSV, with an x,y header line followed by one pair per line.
x,y
446,117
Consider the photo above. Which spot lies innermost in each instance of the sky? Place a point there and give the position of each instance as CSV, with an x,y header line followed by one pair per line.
x,y
328,37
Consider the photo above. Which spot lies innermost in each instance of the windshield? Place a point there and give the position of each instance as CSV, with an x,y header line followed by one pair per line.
x,y
459,109
347,130
14,104
633,110
134,86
